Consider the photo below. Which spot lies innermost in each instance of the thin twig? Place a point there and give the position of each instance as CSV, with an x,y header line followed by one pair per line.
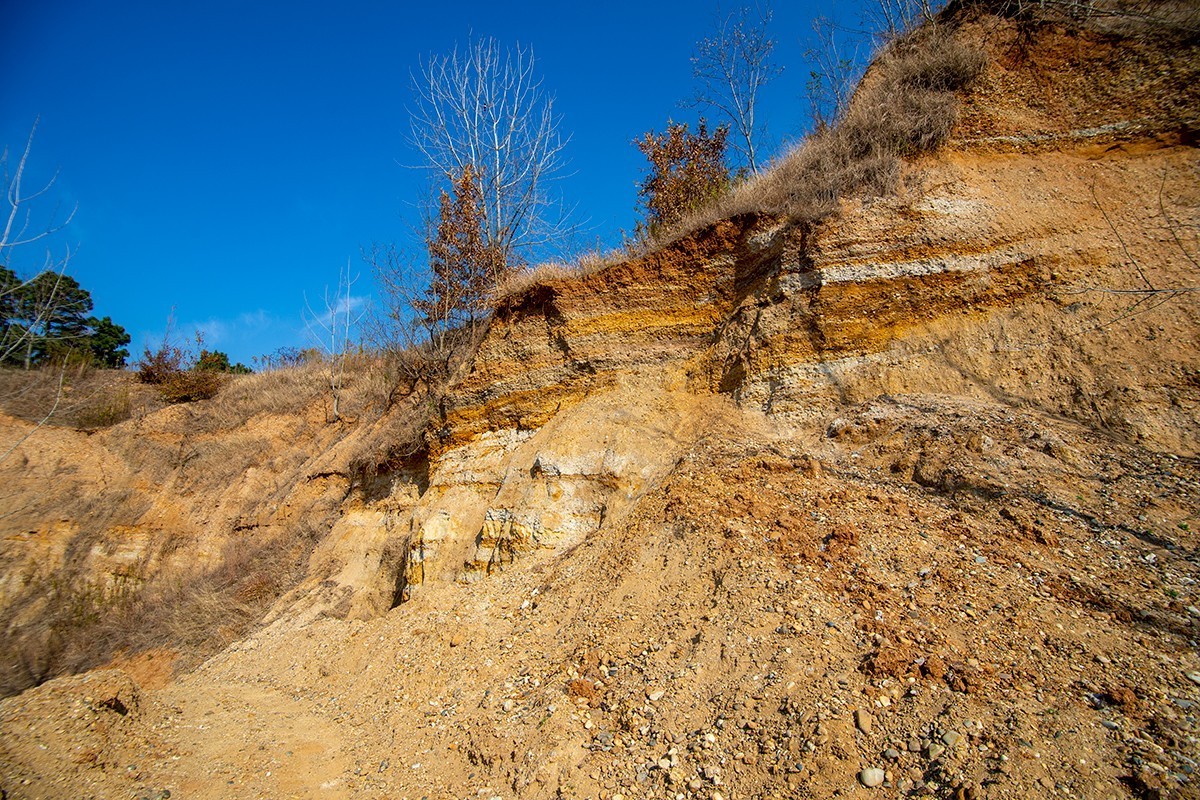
x,y
1120,239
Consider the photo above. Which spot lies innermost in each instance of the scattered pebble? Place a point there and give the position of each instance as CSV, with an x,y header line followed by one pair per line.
x,y
871,777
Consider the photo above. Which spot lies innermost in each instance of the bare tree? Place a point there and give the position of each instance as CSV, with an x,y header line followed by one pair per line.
x,y
837,61
892,18
731,67
330,329
21,230
484,109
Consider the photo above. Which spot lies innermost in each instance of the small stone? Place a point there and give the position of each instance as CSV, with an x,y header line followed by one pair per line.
x,y
934,751
914,746
694,784
508,705
1194,677
891,754
950,738
862,719
871,777
617,796
656,695
718,796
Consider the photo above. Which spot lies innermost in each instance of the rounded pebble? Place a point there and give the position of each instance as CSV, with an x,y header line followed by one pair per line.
x,y
871,777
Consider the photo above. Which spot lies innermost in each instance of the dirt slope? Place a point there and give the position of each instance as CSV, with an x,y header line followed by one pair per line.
x,y
901,503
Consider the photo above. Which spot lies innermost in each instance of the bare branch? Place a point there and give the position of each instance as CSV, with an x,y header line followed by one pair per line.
x,y
731,67
330,331
62,374
485,110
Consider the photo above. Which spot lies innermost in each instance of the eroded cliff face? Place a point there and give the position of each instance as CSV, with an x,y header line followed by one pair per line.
x,y
1032,262
727,493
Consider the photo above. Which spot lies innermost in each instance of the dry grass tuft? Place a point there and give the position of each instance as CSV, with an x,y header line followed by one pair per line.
x,y
91,398
584,264
288,390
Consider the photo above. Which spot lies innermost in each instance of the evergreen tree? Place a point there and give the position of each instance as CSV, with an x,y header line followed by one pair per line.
x,y
47,318
107,343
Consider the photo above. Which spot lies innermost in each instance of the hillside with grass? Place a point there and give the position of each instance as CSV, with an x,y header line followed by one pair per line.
x,y
878,474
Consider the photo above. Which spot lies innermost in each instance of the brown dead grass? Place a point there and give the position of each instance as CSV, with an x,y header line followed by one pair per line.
x,y
91,398
584,264
904,106
82,625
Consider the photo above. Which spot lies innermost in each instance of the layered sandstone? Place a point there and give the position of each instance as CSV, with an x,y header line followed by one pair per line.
x,y
930,459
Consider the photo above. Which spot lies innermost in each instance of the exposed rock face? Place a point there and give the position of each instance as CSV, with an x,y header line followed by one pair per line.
x,y
558,342
992,275
923,457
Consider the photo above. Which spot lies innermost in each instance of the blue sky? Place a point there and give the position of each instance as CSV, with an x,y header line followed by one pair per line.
x,y
227,158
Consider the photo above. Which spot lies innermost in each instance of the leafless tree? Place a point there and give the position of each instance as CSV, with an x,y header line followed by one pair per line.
x,y
22,230
731,67
484,109
418,347
889,19
836,61
330,327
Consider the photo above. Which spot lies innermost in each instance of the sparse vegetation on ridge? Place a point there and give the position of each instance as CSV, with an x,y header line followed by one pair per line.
x,y
906,105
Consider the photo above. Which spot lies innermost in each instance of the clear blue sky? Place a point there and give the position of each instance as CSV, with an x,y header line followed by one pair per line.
x,y
228,157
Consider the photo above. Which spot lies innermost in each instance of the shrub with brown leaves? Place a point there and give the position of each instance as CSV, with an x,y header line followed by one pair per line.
x,y
687,171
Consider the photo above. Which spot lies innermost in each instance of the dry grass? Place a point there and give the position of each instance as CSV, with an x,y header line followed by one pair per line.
x,y
289,390
82,625
91,398
1126,18
584,264
904,106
